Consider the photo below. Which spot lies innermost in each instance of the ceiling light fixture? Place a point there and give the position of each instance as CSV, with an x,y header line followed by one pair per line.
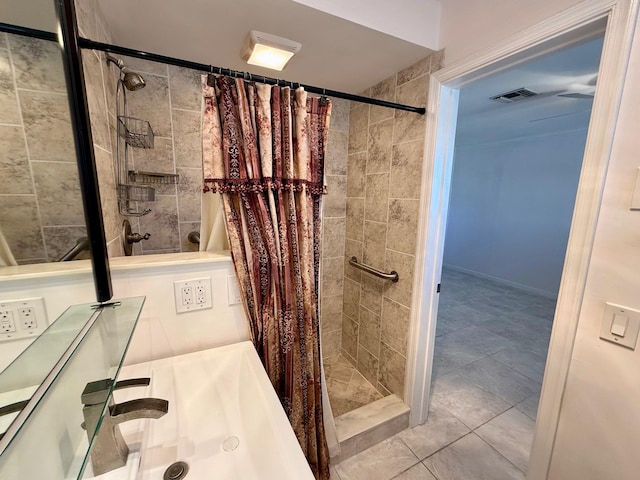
x,y
269,51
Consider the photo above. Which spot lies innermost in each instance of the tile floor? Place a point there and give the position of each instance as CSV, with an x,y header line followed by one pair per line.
x,y
489,360
347,388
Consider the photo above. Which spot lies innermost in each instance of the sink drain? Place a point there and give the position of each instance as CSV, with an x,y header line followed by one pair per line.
x,y
176,471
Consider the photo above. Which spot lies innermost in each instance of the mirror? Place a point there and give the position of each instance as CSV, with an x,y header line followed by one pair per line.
x,y
41,212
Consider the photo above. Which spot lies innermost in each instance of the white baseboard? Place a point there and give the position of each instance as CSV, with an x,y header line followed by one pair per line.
x,y
502,281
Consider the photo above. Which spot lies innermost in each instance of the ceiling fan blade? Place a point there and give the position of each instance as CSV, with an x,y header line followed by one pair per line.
x,y
558,116
583,96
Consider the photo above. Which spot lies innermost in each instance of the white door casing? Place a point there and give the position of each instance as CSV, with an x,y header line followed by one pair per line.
x,y
585,19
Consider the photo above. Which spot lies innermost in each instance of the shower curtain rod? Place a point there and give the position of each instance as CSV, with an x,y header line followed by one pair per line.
x,y
130,52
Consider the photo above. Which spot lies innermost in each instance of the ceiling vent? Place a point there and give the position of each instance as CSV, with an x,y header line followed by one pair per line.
x,y
515,95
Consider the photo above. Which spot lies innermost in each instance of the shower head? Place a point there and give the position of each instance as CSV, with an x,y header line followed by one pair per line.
x,y
130,79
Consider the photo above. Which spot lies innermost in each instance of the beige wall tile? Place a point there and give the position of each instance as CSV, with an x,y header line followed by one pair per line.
x,y
404,265
371,293
9,113
14,162
187,137
416,70
185,229
340,110
152,104
379,147
186,89
335,200
331,313
351,306
145,66
158,159
336,158
96,99
408,125
367,364
162,224
353,248
189,194
437,61
332,276
392,369
333,242
358,128
47,125
356,180
59,240
355,219
385,90
350,337
37,64
403,225
331,343
369,334
394,325
405,180
58,190
375,235
20,226
377,197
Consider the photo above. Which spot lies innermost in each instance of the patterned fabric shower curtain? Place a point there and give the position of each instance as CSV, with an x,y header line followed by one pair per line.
x,y
264,153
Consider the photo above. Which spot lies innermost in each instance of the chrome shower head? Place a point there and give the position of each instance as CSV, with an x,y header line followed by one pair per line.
x,y
130,79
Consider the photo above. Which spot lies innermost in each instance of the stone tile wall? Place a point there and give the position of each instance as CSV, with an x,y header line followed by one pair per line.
x,y
383,191
334,223
41,213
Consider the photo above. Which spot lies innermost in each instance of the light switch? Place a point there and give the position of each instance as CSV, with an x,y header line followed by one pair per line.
x,y
619,325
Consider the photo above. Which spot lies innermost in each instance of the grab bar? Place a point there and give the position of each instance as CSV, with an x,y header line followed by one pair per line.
x,y
81,245
392,275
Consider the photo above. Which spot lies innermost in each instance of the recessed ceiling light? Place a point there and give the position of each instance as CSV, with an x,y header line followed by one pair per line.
x,y
269,51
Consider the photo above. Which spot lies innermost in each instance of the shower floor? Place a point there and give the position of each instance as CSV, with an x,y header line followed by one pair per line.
x,y
347,388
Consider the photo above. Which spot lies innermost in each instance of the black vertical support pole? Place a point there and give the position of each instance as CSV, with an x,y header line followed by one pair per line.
x,y
81,126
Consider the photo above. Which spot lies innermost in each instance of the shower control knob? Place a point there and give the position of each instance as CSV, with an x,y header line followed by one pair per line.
x,y
136,237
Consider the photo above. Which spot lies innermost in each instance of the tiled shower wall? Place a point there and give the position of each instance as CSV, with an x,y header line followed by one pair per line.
x,y
383,191
334,225
41,213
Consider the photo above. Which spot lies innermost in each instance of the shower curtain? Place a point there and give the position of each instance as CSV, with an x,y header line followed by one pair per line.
x,y
264,153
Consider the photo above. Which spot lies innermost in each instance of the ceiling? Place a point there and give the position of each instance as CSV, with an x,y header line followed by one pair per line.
x,y
336,54
571,69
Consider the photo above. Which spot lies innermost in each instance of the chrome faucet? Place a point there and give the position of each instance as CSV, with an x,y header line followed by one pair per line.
x,y
109,450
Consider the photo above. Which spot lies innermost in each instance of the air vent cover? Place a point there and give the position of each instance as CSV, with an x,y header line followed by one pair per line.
x,y
515,95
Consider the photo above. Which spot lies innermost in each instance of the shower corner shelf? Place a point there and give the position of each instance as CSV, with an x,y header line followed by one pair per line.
x,y
136,132
154,178
136,193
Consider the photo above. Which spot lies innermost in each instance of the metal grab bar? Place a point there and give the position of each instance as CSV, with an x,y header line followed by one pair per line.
x,y
81,245
392,275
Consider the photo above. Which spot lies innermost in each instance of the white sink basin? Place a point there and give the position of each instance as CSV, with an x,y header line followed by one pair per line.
x,y
224,419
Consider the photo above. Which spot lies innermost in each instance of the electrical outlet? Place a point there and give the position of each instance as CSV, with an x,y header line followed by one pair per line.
x,y
22,318
7,323
27,318
193,294
187,295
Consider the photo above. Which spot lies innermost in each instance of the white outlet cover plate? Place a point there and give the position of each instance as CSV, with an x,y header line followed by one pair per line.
x,y
39,313
193,283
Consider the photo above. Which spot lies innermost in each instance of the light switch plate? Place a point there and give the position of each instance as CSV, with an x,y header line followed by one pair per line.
x,y
630,337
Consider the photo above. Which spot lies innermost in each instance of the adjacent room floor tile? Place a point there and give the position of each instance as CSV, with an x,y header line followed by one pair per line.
x,y
510,434
380,462
469,403
529,406
417,472
523,361
470,458
499,379
440,429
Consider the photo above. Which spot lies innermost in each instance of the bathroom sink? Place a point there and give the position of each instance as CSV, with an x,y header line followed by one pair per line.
x,y
224,419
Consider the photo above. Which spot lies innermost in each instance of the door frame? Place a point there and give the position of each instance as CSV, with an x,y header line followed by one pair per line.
x,y
618,20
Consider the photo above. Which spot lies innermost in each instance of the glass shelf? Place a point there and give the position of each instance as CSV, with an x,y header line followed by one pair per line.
x,y
46,439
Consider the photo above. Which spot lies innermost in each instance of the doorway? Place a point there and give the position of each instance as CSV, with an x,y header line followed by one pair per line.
x,y
574,25
517,159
